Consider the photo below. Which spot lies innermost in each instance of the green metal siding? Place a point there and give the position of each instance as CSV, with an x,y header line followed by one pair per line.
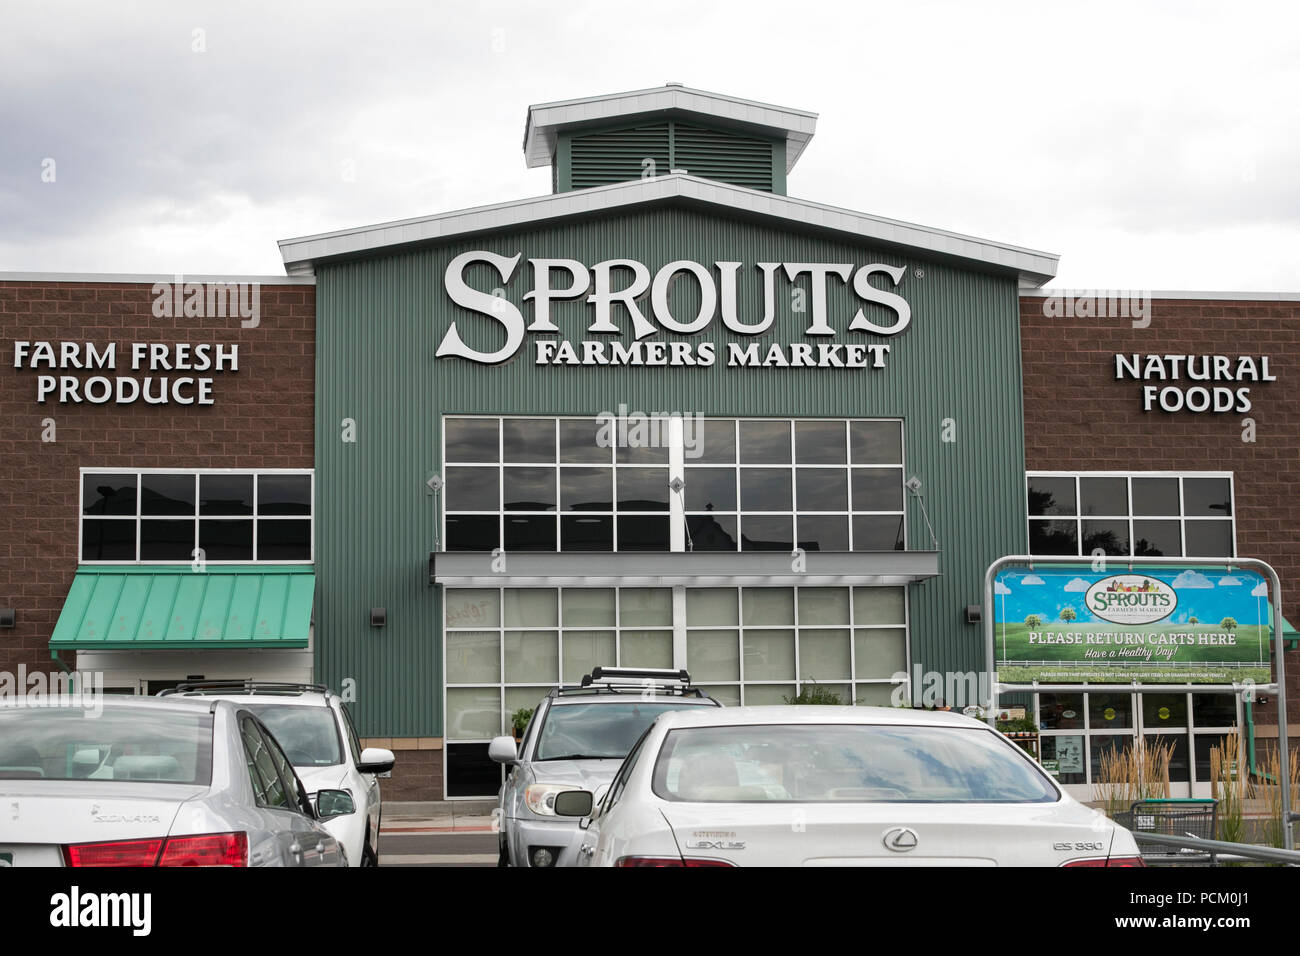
x,y
380,320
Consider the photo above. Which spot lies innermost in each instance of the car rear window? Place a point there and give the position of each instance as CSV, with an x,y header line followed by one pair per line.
x,y
828,763
308,735
575,731
131,744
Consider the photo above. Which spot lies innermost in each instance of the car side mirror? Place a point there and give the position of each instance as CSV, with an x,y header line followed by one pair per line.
x,y
573,803
376,760
334,803
503,750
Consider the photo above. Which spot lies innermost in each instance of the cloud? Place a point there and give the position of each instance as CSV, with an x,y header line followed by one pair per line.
x,y
1000,588
1192,579
1078,584
1260,590
1228,581
1032,579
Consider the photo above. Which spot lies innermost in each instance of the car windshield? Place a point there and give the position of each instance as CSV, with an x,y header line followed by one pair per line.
x,y
573,731
845,763
309,736
136,744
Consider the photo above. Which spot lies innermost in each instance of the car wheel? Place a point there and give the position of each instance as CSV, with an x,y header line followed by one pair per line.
x,y
503,856
368,856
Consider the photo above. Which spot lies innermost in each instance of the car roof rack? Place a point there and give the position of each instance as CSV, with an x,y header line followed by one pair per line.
x,y
632,680
248,686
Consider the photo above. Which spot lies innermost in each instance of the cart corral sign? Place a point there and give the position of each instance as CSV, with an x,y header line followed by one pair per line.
x,y
1152,625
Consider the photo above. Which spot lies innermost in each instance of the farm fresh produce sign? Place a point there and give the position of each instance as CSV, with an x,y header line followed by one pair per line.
x,y
1152,625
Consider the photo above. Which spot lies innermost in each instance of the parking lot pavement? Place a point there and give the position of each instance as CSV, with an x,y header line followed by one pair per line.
x,y
440,848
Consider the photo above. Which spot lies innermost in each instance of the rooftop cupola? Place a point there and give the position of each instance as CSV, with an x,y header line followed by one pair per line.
x,y
669,129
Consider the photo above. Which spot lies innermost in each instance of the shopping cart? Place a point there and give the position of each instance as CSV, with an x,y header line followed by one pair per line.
x,y
1172,816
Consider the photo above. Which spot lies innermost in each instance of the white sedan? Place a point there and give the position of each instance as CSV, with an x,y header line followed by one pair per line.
x,y
837,786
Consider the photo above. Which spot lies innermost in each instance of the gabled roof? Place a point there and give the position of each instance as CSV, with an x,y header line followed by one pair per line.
x,y
796,127
1034,268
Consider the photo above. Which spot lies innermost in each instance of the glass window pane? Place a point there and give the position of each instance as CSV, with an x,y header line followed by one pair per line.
x,y
284,494
587,489
842,691
1164,710
1157,538
1110,536
470,772
712,606
1204,744
877,489
281,539
1054,747
107,540
524,698
823,605
531,607
1179,769
104,494
646,648
1060,711
1155,496
877,532
473,532
528,439
879,606
711,489
530,532
876,443
643,533
819,443
769,655
713,655
167,494
767,533
233,540
473,439
586,440
167,540
824,655
587,607
726,695
642,441
473,657
473,489
586,533
765,489
879,652
760,695
225,494
1103,496
643,489
710,532
1207,497
822,489
528,489
1209,539
1214,710
645,607
473,712
584,650
1102,746
1108,711
773,606
875,695
824,532
1051,496
532,656
764,442
472,607
709,441
1053,537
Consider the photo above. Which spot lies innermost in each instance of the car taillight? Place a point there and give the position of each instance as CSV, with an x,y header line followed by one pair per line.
x,y
1109,861
208,849
668,861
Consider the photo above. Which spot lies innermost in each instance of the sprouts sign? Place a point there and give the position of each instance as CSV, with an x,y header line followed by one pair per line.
x,y
1154,625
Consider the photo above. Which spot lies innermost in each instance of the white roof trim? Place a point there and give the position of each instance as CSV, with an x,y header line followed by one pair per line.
x,y
545,118
301,254
1153,294
151,278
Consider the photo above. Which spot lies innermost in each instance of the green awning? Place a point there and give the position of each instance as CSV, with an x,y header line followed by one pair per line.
x,y
148,607
1289,634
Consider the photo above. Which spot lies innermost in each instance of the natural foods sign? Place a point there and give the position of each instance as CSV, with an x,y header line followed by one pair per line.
x,y
1151,625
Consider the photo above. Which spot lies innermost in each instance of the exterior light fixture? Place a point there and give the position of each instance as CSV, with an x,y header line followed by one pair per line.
x,y
8,617
378,616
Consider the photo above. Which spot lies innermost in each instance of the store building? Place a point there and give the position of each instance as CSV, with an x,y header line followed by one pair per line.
x,y
667,415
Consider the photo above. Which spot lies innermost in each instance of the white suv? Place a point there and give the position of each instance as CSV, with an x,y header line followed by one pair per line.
x,y
313,728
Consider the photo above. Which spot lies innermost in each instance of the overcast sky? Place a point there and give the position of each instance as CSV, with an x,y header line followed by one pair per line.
x,y
1151,145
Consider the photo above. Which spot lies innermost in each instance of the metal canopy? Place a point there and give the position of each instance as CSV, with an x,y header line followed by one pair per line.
x,y
692,568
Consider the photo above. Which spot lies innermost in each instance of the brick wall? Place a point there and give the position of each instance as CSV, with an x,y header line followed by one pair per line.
x,y
262,417
417,775
1078,417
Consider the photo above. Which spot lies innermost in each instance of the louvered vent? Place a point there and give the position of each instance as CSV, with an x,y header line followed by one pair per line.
x,y
616,156
714,154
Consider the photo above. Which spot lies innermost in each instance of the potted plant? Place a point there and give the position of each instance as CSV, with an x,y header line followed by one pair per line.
x,y
519,722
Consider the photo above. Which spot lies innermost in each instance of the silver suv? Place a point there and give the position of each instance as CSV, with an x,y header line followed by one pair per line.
x,y
576,740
